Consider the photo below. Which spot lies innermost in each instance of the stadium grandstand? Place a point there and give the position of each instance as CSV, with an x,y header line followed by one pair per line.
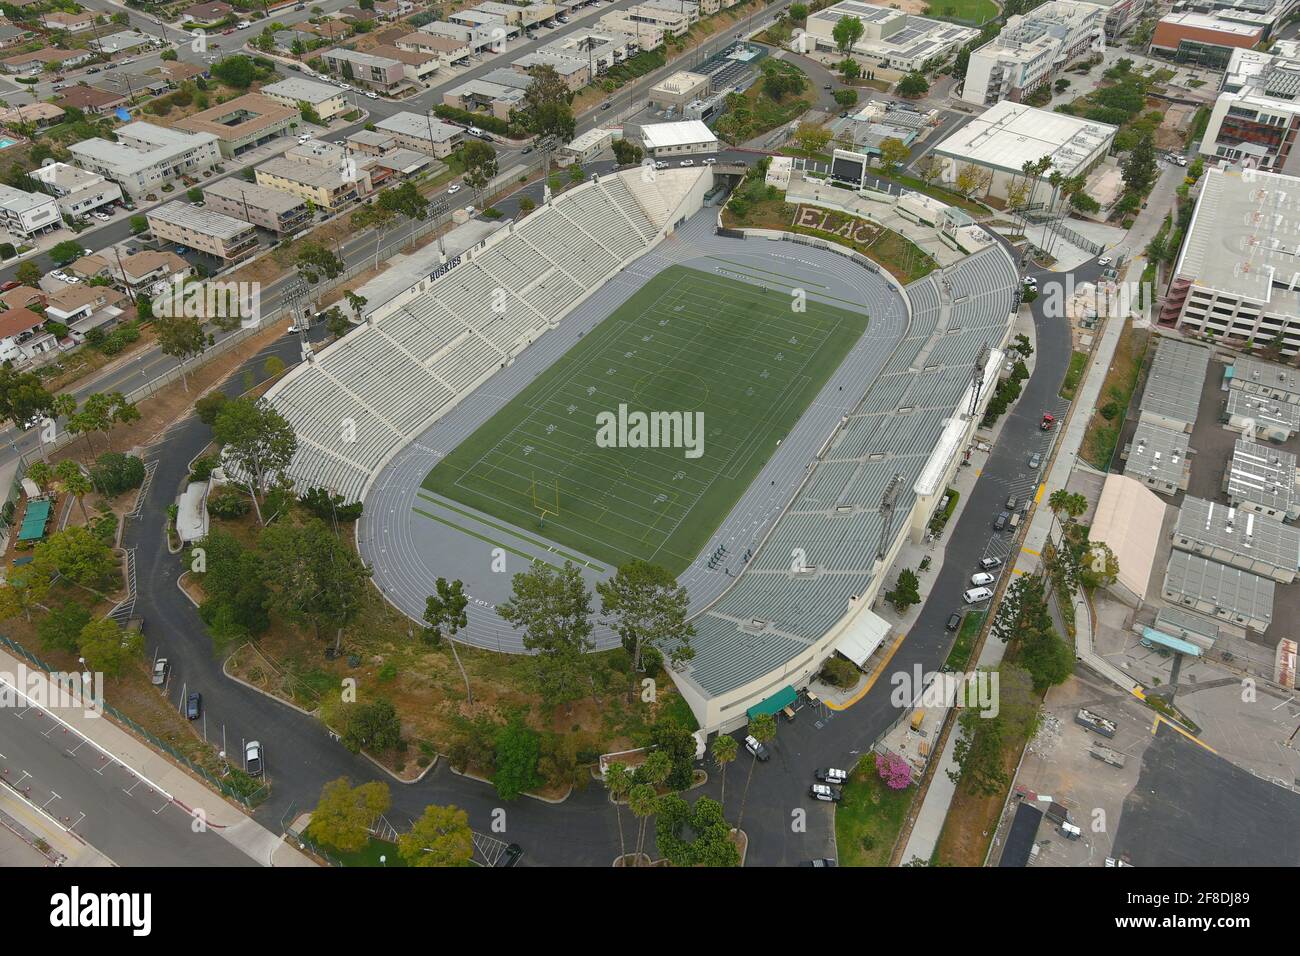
x,y
775,626
359,400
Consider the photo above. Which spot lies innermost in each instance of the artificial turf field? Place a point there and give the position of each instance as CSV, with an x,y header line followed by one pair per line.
x,y
687,341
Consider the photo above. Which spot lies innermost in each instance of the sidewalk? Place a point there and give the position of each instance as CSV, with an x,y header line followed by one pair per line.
x,y
116,744
30,824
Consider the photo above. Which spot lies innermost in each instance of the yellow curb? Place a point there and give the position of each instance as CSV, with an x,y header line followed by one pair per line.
x,y
1038,495
870,680
1192,737
1031,551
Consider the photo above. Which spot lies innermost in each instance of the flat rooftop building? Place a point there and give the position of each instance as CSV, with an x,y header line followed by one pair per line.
x,y
422,131
678,139
244,123
1173,390
890,38
1237,597
271,209
1262,479
1267,419
326,186
146,156
328,101
1269,379
1202,38
1238,270
203,229
78,191
1008,135
1159,458
1241,539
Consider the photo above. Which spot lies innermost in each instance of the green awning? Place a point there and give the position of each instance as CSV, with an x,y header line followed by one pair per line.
x,y
781,699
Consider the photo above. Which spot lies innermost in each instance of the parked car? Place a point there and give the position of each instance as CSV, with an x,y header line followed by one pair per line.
x,y
1001,521
761,753
953,622
1104,261
11,284
976,595
372,95
660,164
253,758
687,162
194,705
101,216
710,161
819,791
833,775
526,150
988,564
58,274
1035,461
981,578
606,105
160,668
1011,502
453,189
510,856
823,862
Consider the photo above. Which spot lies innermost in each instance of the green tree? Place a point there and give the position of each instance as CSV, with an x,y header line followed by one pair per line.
x,y
440,837
444,612
343,817
725,750
545,109
311,576
1139,167
107,648
76,554
553,608
40,473
913,86
518,750
60,630
257,440
66,251
906,592
642,801
182,339
75,482
28,273
811,137
893,153
618,781
647,608
371,726
479,160
22,396
236,71
846,32
23,591
316,261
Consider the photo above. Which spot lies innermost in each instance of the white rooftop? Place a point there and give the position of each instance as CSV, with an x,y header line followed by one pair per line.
x,y
684,133
303,90
1009,135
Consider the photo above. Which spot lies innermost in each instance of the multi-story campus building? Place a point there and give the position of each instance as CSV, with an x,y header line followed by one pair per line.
x,y
1031,49
1257,115
891,40
1237,274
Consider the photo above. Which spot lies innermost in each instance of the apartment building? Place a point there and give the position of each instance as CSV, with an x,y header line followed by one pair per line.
x,y
491,34
28,214
244,123
146,156
203,229
422,132
328,101
450,51
420,67
645,23
500,91
78,192
271,209
326,187
381,73
1031,50
678,90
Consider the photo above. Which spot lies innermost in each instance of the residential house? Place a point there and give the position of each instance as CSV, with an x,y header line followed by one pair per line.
x,y
83,307
141,270
39,115
71,22
23,336
91,99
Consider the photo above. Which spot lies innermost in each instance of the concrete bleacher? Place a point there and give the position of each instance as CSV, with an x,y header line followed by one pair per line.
x,y
361,398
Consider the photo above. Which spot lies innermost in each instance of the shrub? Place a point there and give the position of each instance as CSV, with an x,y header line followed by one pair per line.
x,y
228,503
203,467
114,473
839,672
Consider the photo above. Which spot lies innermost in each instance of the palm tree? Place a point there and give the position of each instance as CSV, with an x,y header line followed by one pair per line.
x,y
75,482
642,801
724,752
40,473
618,780
762,727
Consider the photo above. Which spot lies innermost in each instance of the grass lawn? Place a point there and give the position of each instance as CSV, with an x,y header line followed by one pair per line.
x,y
869,818
1078,360
975,11
1102,434
959,656
369,855
938,192
688,342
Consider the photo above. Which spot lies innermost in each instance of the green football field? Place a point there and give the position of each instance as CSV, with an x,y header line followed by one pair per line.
x,y
688,341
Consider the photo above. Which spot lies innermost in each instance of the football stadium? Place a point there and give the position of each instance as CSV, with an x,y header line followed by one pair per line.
x,y
768,415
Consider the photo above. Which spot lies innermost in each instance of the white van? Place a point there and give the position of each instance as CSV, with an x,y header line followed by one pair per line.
x,y
976,595
475,131
981,578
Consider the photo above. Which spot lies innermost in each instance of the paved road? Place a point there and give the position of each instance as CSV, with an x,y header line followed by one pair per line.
x,y
108,806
